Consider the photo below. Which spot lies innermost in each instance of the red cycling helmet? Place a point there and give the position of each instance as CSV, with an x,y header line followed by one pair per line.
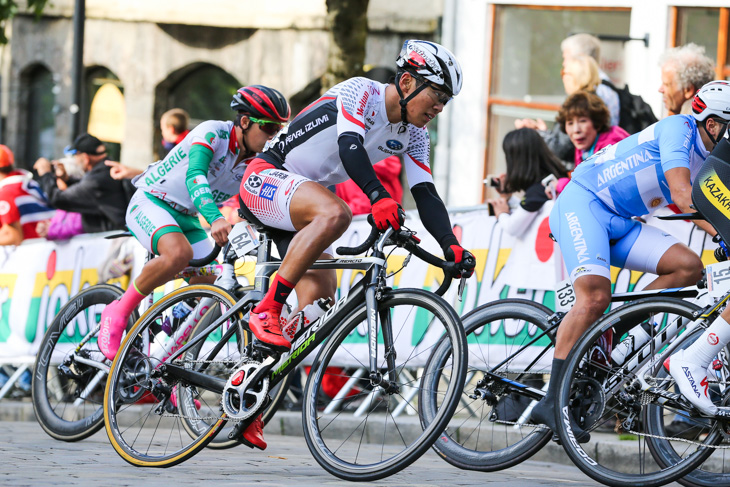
x,y
261,102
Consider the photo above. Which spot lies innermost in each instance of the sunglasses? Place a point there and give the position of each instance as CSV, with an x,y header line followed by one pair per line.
x,y
267,126
440,96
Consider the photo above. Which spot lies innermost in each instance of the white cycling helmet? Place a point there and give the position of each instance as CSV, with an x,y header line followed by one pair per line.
x,y
713,100
431,63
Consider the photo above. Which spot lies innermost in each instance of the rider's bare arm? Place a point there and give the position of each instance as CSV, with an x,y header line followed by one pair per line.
x,y
681,190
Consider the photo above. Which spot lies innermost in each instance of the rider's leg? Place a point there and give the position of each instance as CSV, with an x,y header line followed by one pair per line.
x,y
593,295
319,218
689,366
679,266
175,253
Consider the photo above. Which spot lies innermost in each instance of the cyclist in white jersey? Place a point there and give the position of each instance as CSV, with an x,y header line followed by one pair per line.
x,y
204,169
592,219
339,137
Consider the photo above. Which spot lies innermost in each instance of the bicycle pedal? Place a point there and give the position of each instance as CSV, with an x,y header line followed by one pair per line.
x,y
247,443
237,433
267,349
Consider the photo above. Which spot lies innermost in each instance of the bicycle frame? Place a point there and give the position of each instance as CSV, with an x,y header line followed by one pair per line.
x,y
638,363
311,337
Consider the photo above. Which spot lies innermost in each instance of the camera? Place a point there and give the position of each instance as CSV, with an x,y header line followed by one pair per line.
x,y
492,181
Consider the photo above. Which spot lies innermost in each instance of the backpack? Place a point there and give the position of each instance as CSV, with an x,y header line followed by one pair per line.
x,y
634,113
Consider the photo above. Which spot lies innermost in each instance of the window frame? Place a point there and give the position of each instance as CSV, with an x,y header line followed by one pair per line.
x,y
500,101
722,63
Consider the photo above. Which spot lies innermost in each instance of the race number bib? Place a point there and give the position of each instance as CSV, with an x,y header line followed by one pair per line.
x,y
718,279
243,239
564,296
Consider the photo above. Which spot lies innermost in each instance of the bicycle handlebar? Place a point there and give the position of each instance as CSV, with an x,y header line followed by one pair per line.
x,y
404,238
207,259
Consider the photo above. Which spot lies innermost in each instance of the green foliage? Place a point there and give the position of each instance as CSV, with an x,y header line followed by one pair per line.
x,y
8,9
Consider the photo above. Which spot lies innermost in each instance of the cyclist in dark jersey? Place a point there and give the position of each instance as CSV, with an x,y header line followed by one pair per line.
x,y
339,137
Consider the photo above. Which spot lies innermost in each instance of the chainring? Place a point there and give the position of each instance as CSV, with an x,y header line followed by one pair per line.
x,y
241,399
587,402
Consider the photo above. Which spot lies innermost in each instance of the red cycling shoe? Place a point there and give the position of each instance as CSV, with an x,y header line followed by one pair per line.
x,y
254,434
266,327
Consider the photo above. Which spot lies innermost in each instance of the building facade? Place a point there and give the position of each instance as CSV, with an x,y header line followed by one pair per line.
x,y
152,56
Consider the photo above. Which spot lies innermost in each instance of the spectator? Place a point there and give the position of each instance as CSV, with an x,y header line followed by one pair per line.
x,y
588,45
576,47
174,127
585,119
685,69
580,73
529,161
22,203
99,198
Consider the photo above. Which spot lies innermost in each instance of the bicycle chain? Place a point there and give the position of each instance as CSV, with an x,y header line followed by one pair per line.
x,y
683,440
198,418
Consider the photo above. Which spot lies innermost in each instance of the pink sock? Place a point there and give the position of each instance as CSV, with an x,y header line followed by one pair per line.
x,y
130,300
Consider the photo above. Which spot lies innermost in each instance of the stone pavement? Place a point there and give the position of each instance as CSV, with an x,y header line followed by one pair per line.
x,y
33,459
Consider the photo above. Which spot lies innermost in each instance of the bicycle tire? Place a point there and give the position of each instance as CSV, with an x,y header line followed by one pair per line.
x,y
430,316
57,404
582,399
130,382
475,438
715,471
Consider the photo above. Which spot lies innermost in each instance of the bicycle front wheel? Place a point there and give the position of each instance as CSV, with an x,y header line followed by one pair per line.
x,y
148,412
606,399
371,428
510,353
69,378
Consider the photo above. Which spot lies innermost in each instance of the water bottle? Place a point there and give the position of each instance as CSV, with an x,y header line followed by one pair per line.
x,y
638,336
179,312
308,315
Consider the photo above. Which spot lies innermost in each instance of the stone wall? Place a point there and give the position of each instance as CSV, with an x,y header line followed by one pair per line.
x,y
144,54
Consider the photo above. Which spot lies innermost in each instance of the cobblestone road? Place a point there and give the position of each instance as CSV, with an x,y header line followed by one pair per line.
x,y
28,457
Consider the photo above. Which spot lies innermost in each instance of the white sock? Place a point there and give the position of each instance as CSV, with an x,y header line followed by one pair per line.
x,y
709,344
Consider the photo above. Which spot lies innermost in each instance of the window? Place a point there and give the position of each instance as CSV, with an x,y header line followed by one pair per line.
x,y
40,121
205,94
203,90
526,63
707,27
109,115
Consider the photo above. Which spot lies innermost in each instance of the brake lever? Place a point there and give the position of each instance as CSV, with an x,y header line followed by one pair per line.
x,y
462,285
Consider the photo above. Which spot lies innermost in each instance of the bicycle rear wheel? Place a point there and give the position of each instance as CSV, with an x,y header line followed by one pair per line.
x,y
600,396
372,429
668,425
510,352
147,411
68,381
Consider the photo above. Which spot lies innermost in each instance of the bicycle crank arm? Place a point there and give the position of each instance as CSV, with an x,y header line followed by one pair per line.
x,y
193,378
517,387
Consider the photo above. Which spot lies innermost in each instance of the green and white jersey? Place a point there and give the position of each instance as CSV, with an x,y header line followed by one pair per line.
x,y
198,173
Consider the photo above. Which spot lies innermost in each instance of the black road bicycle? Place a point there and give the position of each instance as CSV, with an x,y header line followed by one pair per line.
x,y
401,327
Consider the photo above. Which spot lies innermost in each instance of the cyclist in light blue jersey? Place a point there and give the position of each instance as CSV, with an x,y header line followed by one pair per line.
x,y
593,223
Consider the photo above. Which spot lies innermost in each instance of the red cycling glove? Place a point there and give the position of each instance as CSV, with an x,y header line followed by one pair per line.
x,y
458,254
387,212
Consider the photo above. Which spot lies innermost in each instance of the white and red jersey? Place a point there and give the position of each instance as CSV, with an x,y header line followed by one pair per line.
x,y
308,145
22,200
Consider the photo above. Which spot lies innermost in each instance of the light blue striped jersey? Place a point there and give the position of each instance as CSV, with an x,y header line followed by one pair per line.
x,y
629,176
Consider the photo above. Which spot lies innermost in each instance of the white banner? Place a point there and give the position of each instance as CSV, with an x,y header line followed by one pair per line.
x,y
37,278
